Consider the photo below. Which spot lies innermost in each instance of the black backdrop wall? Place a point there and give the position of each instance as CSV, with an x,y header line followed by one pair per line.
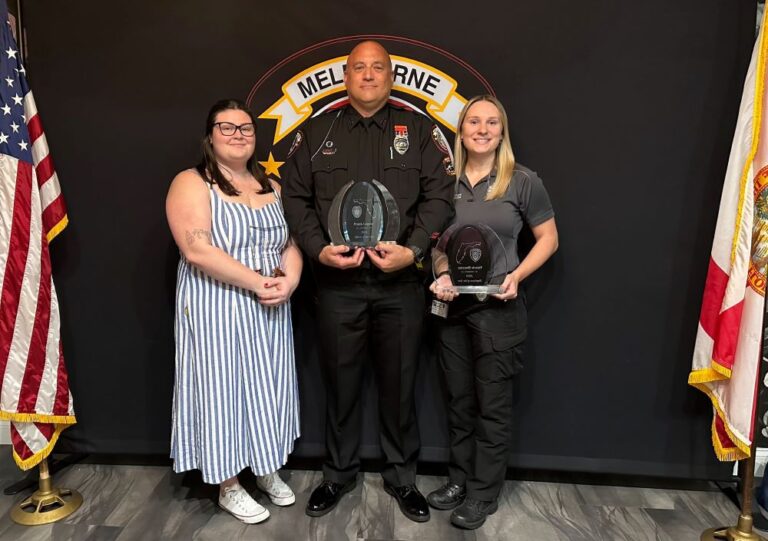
x,y
626,111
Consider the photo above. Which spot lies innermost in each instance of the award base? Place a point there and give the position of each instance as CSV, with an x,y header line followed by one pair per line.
x,y
355,246
477,290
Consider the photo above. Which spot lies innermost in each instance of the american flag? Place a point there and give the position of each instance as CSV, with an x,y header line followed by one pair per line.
x,y
35,393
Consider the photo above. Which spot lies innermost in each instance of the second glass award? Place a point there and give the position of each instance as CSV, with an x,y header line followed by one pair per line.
x,y
474,257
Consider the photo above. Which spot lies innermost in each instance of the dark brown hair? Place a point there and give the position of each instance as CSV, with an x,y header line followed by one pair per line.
x,y
209,167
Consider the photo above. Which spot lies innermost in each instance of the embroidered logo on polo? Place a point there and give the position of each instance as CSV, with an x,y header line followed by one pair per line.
x,y
427,80
400,142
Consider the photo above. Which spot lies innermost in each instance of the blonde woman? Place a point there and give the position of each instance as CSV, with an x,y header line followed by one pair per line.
x,y
481,341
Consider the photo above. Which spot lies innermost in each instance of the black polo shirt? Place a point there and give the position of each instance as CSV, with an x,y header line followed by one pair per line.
x,y
525,202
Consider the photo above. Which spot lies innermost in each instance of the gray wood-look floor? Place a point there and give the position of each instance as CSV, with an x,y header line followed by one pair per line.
x,y
123,502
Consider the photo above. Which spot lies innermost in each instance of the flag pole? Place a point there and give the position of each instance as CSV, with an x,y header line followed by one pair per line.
x,y
743,529
48,503
21,41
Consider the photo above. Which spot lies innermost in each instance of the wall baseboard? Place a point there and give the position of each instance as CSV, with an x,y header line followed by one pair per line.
x,y
761,461
761,455
5,433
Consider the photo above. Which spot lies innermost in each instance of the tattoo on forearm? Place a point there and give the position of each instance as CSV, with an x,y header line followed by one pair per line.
x,y
197,234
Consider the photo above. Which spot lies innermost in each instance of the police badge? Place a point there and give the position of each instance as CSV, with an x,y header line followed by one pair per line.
x,y
401,142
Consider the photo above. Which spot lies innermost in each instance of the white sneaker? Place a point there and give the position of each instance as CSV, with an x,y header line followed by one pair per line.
x,y
236,501
274,487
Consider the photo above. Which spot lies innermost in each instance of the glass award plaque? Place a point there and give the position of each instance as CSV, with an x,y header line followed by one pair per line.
x,y
363,214
474,257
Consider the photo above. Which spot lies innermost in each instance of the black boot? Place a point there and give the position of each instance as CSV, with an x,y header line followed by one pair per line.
x,y
472,513
447,496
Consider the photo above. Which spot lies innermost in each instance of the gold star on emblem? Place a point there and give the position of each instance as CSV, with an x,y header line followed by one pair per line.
x,y
271,166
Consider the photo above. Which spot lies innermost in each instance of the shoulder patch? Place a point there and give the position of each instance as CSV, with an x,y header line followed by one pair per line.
x,y
438,138
297,140
440,141
450,170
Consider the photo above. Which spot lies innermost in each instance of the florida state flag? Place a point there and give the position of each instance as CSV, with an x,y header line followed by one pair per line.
x,y
726,359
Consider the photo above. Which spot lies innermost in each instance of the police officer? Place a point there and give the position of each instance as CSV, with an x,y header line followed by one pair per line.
x,y
369,299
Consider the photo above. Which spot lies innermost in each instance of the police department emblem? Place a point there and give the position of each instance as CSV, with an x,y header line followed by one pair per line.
x,y
475,254
427,80
401,142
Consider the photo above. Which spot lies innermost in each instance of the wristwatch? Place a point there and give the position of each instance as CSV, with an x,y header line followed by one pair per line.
x,y
418,254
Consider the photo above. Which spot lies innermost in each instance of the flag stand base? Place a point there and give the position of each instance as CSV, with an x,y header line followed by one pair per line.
x,y
741,532
743,529
47,504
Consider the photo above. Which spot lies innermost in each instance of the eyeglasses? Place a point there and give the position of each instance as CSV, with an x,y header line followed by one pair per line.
x,y
227,128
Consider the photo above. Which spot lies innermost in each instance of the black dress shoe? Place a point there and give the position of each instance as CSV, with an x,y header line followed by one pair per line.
x,y
472,513
447,496
325,497
411,502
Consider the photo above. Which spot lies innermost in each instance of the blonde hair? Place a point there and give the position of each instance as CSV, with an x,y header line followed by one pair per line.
x,y
504,162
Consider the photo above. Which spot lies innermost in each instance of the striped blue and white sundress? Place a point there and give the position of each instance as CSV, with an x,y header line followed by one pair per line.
x,y
235,400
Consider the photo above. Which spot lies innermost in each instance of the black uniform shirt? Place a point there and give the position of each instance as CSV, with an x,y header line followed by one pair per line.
x,y
369,133
402,150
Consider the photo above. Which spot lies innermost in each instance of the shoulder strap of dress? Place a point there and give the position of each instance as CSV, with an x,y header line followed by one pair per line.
x,y
278,196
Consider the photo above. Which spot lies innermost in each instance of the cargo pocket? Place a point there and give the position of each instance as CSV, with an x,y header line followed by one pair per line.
x,y
510,349
497,358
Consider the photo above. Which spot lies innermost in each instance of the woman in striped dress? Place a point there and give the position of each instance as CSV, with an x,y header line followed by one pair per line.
x,y
235,398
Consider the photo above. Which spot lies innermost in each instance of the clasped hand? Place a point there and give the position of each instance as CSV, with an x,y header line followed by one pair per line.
x,y
273,291
442,288
388,257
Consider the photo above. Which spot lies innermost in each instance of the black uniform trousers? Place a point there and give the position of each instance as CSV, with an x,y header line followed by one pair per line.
x,y
384,319
480,352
